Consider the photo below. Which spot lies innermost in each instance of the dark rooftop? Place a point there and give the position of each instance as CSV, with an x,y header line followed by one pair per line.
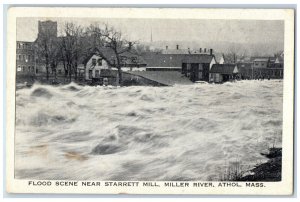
x,y
223,68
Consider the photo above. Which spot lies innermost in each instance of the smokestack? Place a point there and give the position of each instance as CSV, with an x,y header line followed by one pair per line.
x,y
211,51
166,47
200,50
177,47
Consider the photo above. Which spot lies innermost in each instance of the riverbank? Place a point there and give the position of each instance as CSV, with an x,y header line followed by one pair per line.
x,y
269,171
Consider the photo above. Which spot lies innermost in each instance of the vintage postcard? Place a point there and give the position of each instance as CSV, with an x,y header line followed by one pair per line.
x,y
150,101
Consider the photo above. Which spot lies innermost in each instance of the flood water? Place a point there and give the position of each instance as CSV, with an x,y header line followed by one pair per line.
x,y
192,132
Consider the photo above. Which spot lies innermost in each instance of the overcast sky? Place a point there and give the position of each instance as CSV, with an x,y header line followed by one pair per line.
x,y
239,31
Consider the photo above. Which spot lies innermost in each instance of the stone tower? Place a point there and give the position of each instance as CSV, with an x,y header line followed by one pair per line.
x,y
47,28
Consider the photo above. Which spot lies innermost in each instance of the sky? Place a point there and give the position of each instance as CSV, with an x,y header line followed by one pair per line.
x,y
229,31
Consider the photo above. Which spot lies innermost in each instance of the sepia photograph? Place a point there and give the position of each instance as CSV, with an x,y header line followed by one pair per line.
x,y
170,102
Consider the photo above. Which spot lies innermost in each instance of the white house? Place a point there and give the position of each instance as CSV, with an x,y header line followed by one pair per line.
x,y
94,66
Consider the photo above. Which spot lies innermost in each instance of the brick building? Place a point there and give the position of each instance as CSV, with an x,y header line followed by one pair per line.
x,y
25,58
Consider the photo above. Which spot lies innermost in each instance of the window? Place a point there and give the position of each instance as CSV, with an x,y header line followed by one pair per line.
x,y
94,62
90,74
20,57
32,69
99,62
28,68
59,71
134,59
19,68
97,73
36,71
200,67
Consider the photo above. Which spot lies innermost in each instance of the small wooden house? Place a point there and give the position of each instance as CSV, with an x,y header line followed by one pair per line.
x,y
223,72
93,67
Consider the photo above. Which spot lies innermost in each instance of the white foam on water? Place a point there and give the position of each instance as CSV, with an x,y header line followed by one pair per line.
x,y
190,132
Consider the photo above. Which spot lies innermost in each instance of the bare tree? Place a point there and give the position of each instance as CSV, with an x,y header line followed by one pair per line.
x,y
70,47
47,51
230,58
108,38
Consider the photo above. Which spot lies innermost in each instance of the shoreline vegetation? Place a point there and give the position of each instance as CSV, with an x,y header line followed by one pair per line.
x,y
269,171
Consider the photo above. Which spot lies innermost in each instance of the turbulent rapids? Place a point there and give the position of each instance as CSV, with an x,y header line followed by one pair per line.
x,y
191,132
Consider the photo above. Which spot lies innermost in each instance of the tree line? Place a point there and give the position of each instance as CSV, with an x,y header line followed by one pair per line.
x,y
77,42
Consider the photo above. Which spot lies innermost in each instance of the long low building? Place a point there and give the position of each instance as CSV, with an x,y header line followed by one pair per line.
x,y
193,66
223,72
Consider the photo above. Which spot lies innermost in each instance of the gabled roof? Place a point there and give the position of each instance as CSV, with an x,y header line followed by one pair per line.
x,y
218,57
279,59
110,55
223,68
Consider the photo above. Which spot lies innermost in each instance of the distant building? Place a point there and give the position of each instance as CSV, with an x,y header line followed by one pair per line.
x,y
279,62
222,59
245,70
196,67
267,67
163,62
25,58
223,72
193,64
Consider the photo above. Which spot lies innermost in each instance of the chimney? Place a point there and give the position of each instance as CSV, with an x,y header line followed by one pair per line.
x,y
166,47
200,50
211,51
130,45
204,50
189,51
177,47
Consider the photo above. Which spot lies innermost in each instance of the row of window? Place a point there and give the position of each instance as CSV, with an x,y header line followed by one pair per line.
x,y
97,74
21,45
271,73
261,64
26,58
26,69
98,62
